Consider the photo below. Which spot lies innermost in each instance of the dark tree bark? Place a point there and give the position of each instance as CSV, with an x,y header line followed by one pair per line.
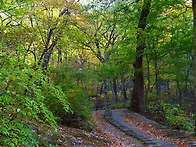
x,y
114,90
124,89
194,15
137,100
179,92
60,59
48,54
106,92
148,76
186,83
168,90
156,76
50,42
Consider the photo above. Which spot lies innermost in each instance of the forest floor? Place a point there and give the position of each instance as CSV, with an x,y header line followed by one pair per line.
x,y
104,134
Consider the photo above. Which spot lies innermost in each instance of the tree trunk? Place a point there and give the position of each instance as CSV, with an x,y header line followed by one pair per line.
x,y
114,90
137,100
47,51
186,84
168,91
194,15
60,60
178,92
124,89
46,59
75,68
157,78
148,76
106,92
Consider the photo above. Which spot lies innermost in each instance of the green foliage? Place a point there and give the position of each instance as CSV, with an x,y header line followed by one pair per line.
x,y
79,75
173,116
80,107
177,119
56,101
106,29
22,102
118,105
79,103
152,107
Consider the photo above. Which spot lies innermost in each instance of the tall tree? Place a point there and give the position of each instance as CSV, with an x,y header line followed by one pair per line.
x,y
100,34
51,27
137,100
194,15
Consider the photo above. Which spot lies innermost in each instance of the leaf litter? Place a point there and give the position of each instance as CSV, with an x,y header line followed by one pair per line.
x,y
159,134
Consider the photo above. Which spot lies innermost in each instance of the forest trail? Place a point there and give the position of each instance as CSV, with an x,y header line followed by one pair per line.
x,y
115,135
116,119
148,132
103,135
123,128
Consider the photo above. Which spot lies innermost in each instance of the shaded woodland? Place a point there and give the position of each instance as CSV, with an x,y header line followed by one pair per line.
x,y
60,60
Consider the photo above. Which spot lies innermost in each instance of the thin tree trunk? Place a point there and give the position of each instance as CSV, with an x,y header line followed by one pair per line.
x,y
114,95
186,77
186,83
46,59
148,77
179,93
156,77
121,94
124,89
75,67
114,90
106,92
130,88
168,90
60,60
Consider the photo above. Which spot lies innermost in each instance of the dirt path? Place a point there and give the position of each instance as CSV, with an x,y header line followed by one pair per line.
x,y
120,128
115,118
149,127
103,135
147,131
119,138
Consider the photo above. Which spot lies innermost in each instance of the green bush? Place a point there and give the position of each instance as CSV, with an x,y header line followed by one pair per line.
x,y
60,75
80,114
172,115
22,103
178,119
118,105
79,104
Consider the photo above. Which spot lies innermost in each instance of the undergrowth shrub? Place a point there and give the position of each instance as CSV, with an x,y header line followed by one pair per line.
x,y
55,105
178,119
22,103
80,114
118,105
172,115
79,104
